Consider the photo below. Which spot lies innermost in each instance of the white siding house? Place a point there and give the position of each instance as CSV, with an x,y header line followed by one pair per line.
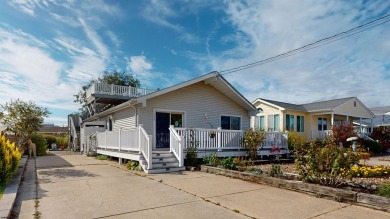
x,y
156,128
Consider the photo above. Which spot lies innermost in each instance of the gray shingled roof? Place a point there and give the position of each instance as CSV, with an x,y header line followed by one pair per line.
x,y
321,105
380,110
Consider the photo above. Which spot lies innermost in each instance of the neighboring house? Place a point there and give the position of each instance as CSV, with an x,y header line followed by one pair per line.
x,y
311,120
53,130
381,119
157,127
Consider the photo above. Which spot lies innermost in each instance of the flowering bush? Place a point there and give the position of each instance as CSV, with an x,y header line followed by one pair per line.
x,y
366,171
323,162
294,139
9,160
341,131
253,139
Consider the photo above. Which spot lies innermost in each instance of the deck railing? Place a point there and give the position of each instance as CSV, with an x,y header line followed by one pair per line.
x,y
228,139
320,135
110,89
123,139
176,143
145,146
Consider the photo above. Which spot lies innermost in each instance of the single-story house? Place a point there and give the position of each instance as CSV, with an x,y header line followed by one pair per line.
x,y
157,127
310,120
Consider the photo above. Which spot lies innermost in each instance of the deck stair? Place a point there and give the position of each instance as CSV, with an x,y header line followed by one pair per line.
x,y
162,162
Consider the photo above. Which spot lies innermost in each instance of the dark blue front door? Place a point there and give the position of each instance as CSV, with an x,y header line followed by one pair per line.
x,y
162,130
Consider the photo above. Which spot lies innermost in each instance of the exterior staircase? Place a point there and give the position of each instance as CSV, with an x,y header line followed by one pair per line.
x,y
162,162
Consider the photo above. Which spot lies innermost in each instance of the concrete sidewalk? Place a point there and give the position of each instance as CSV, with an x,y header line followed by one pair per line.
x,y
74,186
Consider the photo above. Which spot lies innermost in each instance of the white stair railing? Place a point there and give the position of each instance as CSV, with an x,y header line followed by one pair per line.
x,y
176,144
73,133
145,146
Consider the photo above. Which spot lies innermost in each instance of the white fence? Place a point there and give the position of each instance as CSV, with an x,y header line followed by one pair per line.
x,y
145,146
110,89
119,140
320,135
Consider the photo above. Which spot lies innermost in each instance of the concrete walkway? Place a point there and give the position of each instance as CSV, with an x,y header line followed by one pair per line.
x,y
74,186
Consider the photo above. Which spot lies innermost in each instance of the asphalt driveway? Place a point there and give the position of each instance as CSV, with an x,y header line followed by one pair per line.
x,y
75,186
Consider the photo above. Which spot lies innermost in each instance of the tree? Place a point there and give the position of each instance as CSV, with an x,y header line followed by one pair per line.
x,y
22,119
109,77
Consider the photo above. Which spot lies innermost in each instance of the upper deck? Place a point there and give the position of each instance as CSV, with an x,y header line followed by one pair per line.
x,y
110,93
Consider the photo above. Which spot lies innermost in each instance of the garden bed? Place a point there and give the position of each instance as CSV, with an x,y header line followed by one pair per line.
x,y
358,184
373,201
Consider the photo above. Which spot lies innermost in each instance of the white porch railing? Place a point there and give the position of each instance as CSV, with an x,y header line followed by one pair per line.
x,y
123,139
320,135
228,139
110,89
212,138
145,146
176,143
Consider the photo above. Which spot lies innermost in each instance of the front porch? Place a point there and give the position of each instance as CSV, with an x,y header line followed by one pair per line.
x,y
136,144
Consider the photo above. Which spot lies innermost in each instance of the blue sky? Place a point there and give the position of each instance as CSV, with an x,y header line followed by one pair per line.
x,y
49,49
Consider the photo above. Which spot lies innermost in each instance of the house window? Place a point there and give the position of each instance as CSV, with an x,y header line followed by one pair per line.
x,y
231,122
261,123
273,122
289,122
300,124
354,103
322,124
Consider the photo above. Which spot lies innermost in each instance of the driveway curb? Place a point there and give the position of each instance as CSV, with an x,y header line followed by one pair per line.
x,y
10,192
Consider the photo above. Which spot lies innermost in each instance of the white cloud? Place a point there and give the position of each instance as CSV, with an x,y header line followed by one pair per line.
x,y
140,65
350,67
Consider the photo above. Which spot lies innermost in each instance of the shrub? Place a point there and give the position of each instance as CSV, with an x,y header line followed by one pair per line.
x,y
102,157
373,146
41,143
228,163
294,139
341,131
62,141
9,160
133,165
252,140
275,170
384,190
212,160
50,139
382,136
323,162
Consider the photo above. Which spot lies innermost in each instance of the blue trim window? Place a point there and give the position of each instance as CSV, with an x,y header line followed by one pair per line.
x,y
300,124
322,124
289,122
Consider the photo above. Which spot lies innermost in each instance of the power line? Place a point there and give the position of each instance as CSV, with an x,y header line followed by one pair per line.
x,y
324,41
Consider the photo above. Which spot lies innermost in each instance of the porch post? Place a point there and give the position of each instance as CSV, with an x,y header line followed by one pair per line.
x,y
372,126
170,140
181,149
332,120
105,139
139,137
348,119
361,127
219,143
119,140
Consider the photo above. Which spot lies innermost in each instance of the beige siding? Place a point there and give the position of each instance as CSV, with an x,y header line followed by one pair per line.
x,y
348,108
268,110
195,101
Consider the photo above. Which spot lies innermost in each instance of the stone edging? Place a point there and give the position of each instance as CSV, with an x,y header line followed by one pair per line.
x,y
8,199
368,200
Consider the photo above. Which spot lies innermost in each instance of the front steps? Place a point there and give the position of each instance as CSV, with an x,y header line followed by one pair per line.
x,y
162,162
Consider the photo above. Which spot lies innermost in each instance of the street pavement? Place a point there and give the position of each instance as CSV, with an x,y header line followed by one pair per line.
x,y
74,186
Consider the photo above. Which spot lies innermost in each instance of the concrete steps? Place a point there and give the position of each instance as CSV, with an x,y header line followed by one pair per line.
x,y
162,162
